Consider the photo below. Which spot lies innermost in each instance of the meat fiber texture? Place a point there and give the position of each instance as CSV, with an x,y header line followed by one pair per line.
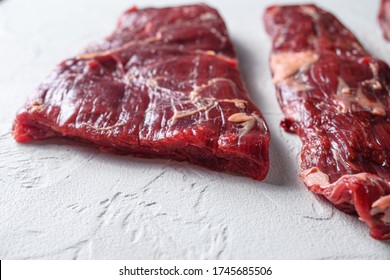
x,y
384,18
336,97
164,84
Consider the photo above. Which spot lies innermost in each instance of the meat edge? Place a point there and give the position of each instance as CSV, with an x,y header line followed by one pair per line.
x,y
364,194
220,160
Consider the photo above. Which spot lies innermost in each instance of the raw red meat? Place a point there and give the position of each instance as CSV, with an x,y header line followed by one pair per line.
x,y
336,97
384,18
165,84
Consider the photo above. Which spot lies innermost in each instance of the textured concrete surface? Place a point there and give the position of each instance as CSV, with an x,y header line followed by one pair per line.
x,y
63,200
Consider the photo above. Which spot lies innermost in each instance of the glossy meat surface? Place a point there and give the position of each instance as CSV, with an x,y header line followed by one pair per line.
x,y
165,84
384,18
336,97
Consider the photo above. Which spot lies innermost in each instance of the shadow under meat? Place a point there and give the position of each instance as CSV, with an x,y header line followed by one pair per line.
x,y
281,172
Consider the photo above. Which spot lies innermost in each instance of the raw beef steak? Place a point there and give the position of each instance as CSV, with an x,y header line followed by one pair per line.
x,y
384,18
165,84
336,97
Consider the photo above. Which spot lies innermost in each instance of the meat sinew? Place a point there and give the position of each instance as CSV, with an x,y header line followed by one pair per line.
x,y
384,18
336,97
165,84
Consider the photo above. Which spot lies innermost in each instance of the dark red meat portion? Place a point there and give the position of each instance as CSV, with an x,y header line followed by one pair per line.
x,y
164,84
336,97
384,18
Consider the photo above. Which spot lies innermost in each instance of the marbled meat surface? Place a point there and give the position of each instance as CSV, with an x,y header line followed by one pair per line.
x,y
165,84
336,97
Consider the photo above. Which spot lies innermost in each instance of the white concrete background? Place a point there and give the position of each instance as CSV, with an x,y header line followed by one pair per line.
x,y
61,200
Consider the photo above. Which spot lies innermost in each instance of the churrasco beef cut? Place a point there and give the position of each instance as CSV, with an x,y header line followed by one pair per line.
x,y
384,18
165,84
336,97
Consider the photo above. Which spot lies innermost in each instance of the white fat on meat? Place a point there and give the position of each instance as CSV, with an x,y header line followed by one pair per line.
x,y
313,176
286,64
382,206
310,11
347,98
